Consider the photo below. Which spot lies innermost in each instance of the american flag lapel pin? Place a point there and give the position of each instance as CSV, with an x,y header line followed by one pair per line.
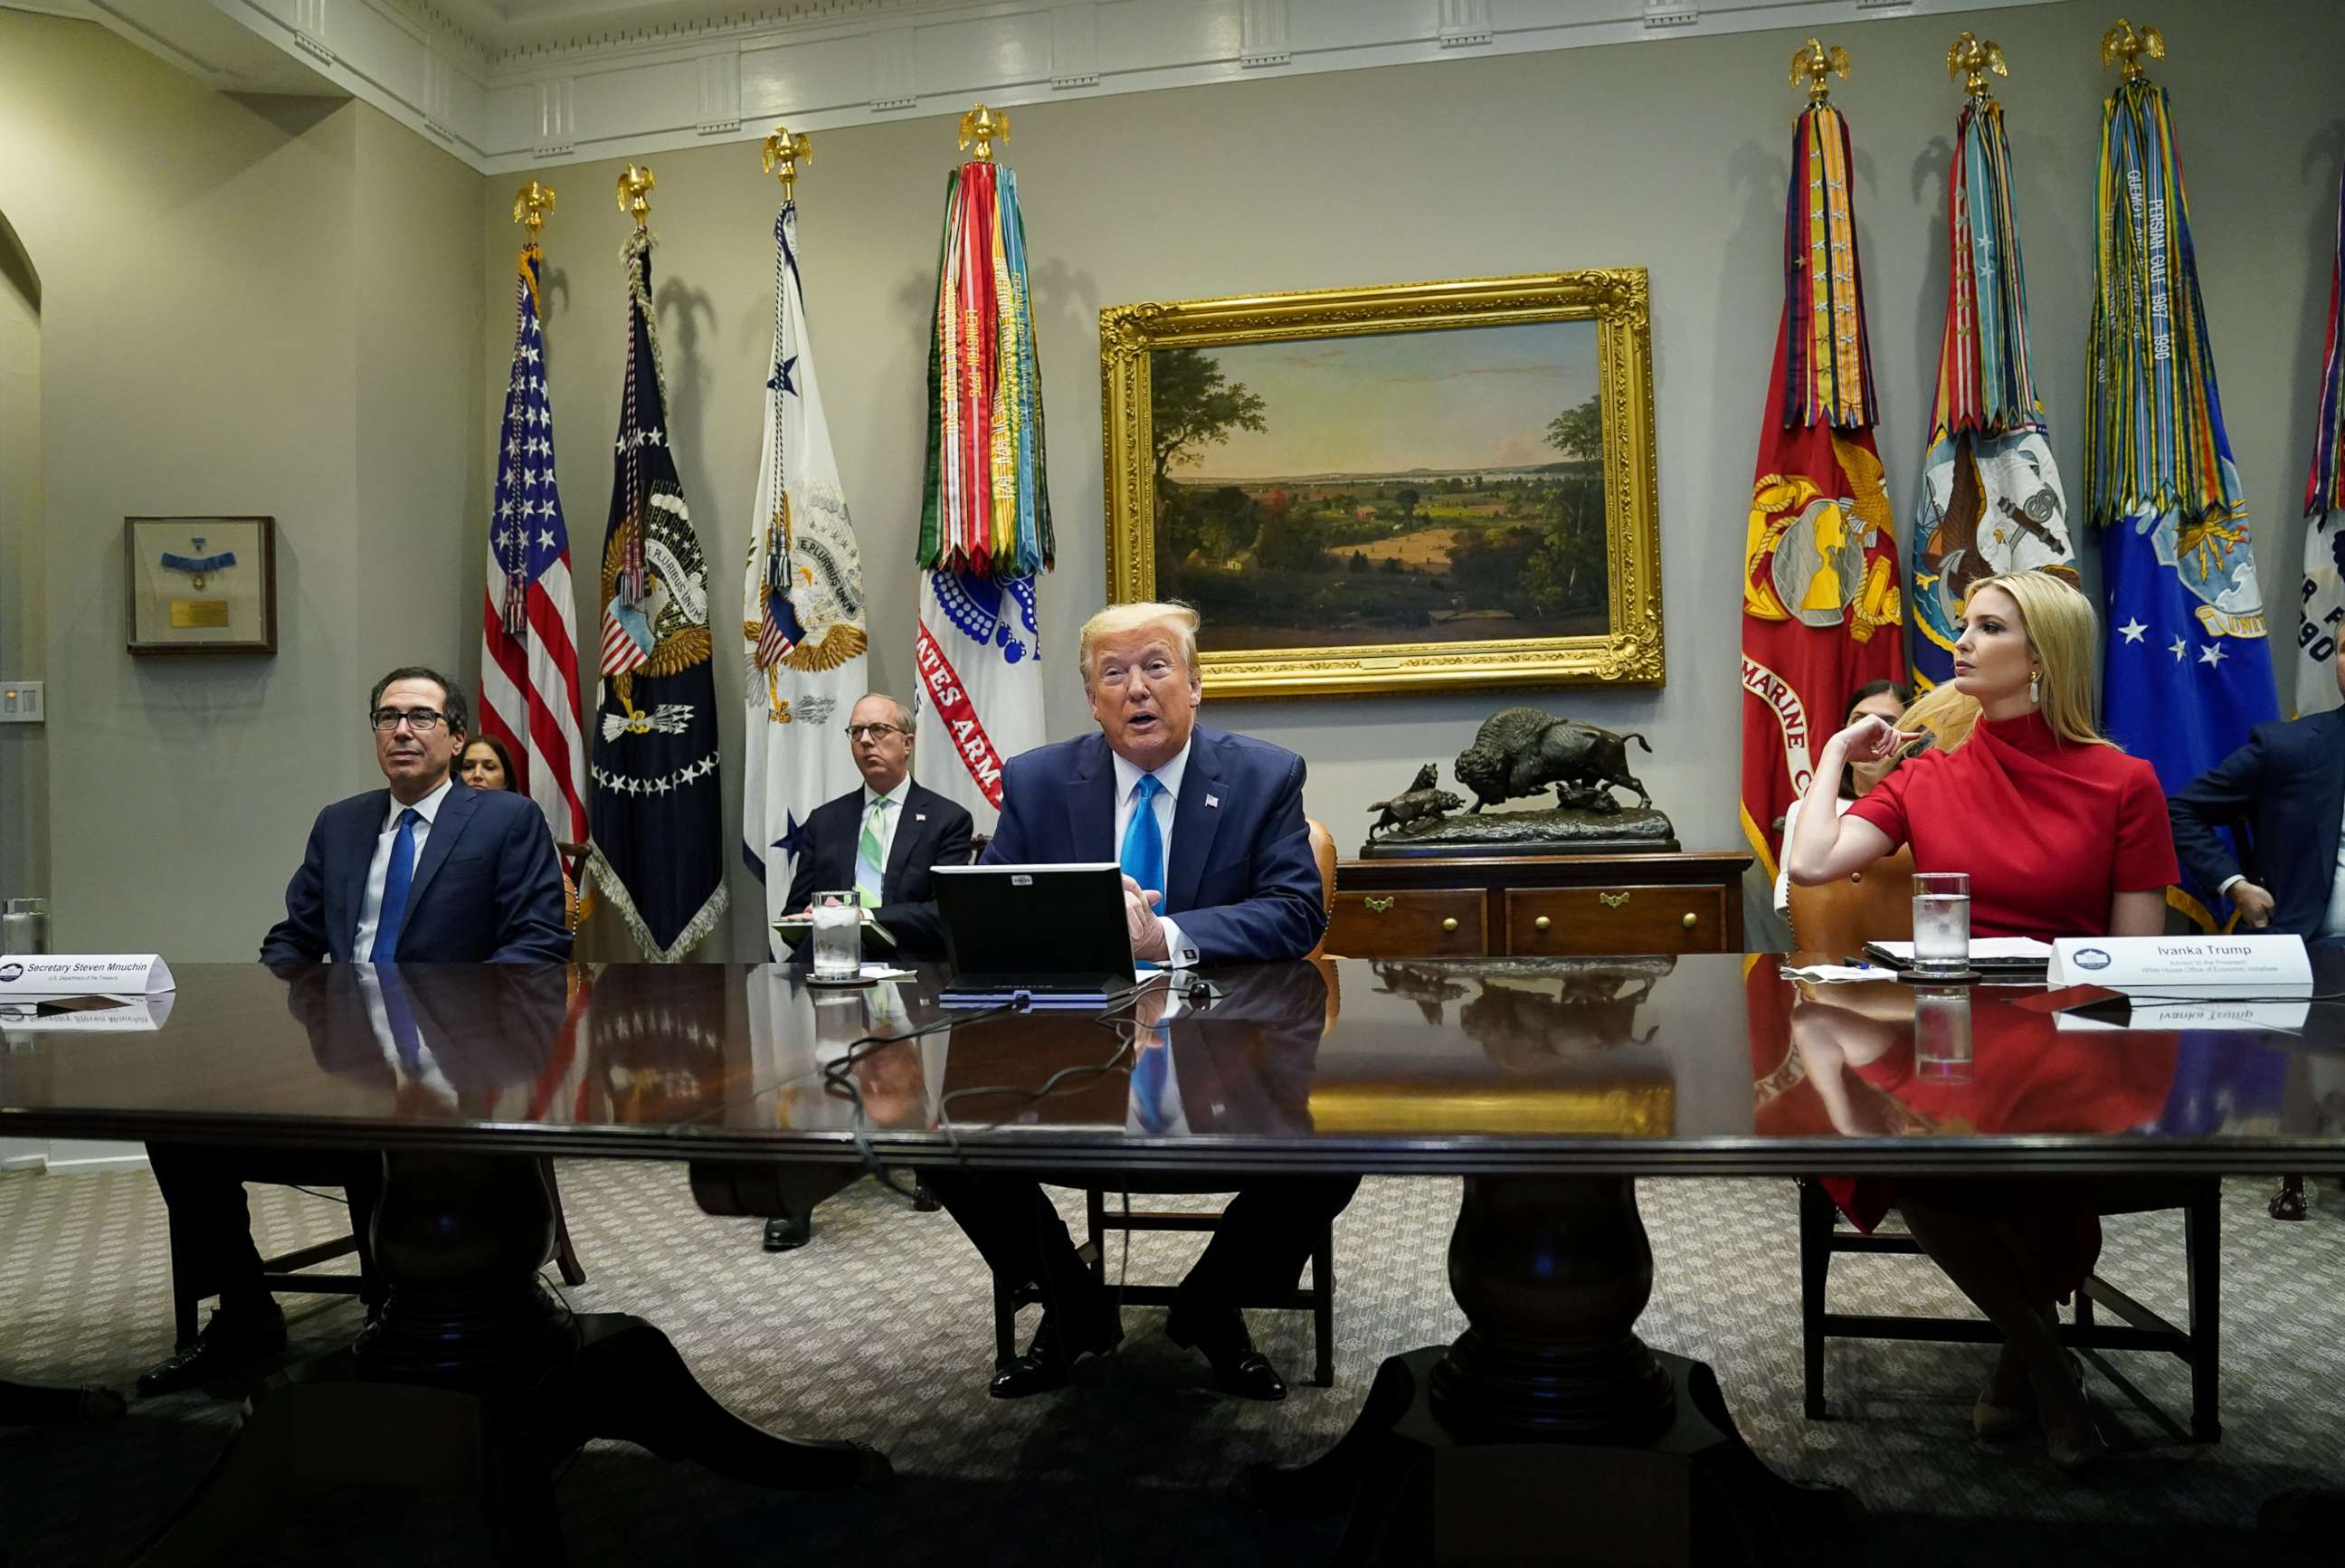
x,y
1212,800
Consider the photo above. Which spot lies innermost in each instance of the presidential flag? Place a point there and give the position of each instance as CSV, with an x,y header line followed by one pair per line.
x,y
659,855
2188,664
529,624
1822,612
985,516
802,628
1991,495
2324,504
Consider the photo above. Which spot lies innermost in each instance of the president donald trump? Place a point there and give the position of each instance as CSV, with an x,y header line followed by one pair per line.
x,y
1218,869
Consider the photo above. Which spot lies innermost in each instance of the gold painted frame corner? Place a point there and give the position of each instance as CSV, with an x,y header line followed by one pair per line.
x,y
1616,299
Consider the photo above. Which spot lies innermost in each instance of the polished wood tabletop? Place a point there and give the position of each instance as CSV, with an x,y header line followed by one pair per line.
x,y
1696,1064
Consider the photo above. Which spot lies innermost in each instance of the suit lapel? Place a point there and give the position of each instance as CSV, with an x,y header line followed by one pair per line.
x,y
1195,822
346,889
909,833
1091,805
456,809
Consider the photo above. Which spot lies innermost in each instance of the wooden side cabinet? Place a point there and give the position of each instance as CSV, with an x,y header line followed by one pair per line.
x,y
1530,905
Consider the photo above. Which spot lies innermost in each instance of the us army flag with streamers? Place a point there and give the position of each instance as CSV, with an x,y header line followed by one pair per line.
x,y
659,841
2324,507
985,521
1991,495
2187,669
1820,608
802,628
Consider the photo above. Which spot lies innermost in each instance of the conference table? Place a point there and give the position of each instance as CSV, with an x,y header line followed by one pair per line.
x,y
1551,1087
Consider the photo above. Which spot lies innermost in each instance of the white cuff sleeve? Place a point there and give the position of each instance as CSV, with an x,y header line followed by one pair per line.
x,y
2228,883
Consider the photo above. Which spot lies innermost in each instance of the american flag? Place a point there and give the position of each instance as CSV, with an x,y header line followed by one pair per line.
x,y
529,653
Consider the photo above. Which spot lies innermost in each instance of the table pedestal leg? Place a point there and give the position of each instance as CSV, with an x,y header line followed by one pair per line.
x,y
475,1380
1547,1422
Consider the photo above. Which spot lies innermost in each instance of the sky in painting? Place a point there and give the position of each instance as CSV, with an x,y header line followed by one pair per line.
x,y
1477,397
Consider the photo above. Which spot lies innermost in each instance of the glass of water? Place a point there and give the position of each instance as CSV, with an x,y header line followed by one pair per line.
x,y
837,935
1942,923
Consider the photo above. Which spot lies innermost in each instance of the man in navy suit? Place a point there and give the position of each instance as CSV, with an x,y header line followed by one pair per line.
x,y
882,839
2287,784
1218,869
423,871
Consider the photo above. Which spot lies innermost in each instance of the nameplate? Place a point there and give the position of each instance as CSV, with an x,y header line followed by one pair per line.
x,y
2211,966
83,973
85,1015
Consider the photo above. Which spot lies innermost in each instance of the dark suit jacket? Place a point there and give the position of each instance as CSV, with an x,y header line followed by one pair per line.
x,y
487,887
2287,784
1246,888
933,832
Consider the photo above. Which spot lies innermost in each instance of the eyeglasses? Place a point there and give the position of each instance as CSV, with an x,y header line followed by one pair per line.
x,y
420,721
876,731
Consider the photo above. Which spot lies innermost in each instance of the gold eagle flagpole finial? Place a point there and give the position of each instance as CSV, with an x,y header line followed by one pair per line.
x,y
636,186
1970,60
980,128
2124,44
784,153
531,204
1818,65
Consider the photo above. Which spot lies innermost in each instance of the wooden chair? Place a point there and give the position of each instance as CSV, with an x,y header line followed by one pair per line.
x,y
1317,1297
573,874
1876,905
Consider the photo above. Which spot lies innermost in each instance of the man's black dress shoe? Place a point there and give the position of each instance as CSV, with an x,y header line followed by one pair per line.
x,y
229,1344
786,1233
1048,1359
1220,1333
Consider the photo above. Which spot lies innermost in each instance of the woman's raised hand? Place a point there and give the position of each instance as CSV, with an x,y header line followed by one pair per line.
x,y
1873,739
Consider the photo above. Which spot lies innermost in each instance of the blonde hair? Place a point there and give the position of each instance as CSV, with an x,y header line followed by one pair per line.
x,y
2060,627
1116,620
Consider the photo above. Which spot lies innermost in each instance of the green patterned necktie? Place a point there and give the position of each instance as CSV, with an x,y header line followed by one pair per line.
x,y
870,860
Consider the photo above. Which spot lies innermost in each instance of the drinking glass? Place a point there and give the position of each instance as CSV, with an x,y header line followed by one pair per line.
x,y
837,935
1942,923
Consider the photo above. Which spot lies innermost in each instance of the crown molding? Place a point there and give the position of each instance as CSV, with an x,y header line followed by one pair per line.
x,y
506,95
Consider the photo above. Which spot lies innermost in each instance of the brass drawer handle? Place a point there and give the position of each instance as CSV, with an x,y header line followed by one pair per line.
x,y
1690,921
1541,923
1611,900
1450,924
1377,906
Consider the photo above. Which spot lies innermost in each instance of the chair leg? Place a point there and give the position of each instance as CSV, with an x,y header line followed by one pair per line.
x,y
1095,1226
2084,1307
1323,1307
2202,1247
1817,1218
565,1256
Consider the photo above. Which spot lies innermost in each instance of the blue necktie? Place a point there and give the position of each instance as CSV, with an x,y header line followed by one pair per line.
x,y
405,1038
396,879
1143,843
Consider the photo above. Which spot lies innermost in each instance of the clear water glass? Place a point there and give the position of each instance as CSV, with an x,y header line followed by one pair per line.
x,y
837,935
1942,923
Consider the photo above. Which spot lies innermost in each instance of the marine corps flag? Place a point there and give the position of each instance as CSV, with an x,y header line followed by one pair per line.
x,y
802,628
659,855
1821,614
2188,664
2324,503
1991,495
985,519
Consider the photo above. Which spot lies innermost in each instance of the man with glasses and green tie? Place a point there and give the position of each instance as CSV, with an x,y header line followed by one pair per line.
x,y
423,871
1217,865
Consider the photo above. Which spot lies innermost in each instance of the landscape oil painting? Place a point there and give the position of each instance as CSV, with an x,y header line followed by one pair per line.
x,y
1352,502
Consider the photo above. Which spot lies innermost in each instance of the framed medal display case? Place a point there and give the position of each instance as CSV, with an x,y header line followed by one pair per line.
x,y
200,584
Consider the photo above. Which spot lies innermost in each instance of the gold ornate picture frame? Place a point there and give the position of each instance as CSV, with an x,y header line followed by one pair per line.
x,y
1412,502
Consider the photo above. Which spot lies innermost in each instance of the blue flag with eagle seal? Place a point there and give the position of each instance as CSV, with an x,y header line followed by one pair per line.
x,y
2187,667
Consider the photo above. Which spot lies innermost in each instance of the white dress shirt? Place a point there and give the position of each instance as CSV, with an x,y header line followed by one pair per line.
x,y
1127,792
371,904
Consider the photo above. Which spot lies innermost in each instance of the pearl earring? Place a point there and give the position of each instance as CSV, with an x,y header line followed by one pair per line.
x,y
2035,688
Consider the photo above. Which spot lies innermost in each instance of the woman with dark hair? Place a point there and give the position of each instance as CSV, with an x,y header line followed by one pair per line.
x,y
485,764
1885,699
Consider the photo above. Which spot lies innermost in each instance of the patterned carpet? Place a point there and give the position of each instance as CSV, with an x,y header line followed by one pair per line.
x,y
880,1330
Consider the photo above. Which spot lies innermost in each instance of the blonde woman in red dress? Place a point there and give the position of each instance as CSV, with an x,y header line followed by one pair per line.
x,y
2063,834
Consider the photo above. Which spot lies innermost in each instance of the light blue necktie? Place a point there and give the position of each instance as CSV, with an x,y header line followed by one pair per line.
x,y
1143,842
1148,1078
870,872
396,879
